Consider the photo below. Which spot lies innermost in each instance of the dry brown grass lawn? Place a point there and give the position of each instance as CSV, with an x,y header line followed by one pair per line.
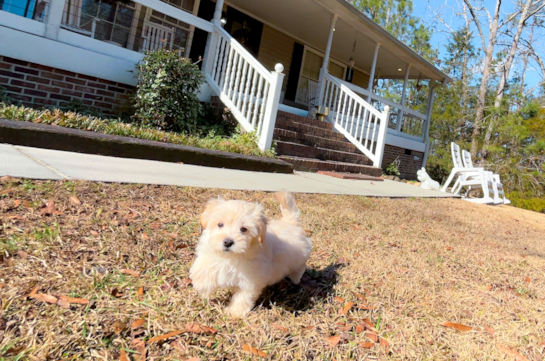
x,y
407,265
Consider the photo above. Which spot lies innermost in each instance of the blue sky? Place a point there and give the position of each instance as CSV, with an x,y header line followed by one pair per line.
x,y
440,31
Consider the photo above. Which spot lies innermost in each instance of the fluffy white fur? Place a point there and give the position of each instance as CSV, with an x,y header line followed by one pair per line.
x,y
262,252
425,180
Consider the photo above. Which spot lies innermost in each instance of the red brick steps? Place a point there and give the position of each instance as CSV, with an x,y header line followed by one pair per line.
x,y
312,145
315,165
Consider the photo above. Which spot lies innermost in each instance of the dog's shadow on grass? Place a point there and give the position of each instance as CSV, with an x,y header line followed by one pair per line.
x,y
315,284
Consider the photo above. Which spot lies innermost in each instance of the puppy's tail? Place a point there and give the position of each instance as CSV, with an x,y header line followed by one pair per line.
x,y
290,212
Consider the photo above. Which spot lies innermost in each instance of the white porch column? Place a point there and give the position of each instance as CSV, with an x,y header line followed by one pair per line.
x,y
429,110
271,110
325,63
403,96
54,19
212,40
372,75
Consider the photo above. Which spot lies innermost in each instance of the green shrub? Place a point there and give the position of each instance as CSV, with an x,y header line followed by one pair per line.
x,y
213,121
166,93
4,97
526,201
393,168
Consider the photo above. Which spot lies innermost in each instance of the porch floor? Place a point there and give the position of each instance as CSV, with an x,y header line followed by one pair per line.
x,y
35,163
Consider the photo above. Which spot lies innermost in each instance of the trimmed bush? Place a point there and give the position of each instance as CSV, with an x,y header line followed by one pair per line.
x,y
166,93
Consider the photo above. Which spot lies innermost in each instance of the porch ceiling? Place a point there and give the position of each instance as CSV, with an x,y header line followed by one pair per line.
x,y
308,21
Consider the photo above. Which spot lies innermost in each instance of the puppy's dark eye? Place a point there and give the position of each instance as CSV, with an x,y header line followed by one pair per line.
x,y
244,230
220,225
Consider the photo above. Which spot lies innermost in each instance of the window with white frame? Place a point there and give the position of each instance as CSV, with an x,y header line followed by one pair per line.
x,y
30,9
130,25
310,72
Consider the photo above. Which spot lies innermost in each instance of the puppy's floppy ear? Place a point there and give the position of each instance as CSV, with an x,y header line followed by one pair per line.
x,y
210,207
262,228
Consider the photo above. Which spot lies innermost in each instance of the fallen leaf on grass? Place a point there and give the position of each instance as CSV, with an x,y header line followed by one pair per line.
x,y
137,323
528,279
179,345
7,191
118,327
49,208
63,304
141,349
489,330
193,358
506,350
194,234
123,356
343,261
369,324
140,293
93,232
347,307
2,285
197,328
359,296
279,327
22,254
384,343
129,272
333,341
145,236
165,336
366,307
42,297
173,235
338,299
253,350
79,301
372,336
366,344
16,203
75,200
449,248
457,326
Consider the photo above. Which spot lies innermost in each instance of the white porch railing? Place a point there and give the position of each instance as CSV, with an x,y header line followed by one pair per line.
x,y
412,123
362,124
247,88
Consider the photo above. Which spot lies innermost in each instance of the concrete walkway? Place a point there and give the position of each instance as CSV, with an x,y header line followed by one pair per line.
x,y
35,163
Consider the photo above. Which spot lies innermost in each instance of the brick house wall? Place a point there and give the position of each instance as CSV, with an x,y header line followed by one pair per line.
x,y
37,85
408,164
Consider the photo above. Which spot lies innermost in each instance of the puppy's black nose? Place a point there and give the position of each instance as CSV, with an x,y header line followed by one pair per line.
x,y
228,243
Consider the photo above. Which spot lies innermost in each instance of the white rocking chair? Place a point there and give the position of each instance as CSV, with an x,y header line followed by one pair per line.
x,y
468,177
495,182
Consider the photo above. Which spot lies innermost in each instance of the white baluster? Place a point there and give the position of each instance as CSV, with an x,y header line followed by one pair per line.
x,y
259,99
240,91
219,63
241,63
227,75
246,99
236,60
262,107
253,98
369,123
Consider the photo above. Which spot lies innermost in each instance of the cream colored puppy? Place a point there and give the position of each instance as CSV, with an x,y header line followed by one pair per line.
x,y
243,250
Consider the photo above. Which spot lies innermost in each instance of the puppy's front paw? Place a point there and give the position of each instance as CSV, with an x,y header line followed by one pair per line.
x,y
238,309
